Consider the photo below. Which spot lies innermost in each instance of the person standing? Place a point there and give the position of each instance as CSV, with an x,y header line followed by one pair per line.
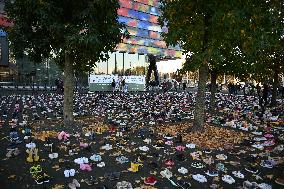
x,y
265,93
113,85
184,86
123,85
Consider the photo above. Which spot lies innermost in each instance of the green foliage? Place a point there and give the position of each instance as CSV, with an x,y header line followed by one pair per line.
x,y
237,30
85,30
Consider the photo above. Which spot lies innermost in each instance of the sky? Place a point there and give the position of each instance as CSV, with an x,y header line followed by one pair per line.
x,y
134,60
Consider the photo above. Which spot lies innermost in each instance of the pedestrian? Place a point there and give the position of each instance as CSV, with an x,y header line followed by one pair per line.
x,y
123,85
113,85
265,93
184,86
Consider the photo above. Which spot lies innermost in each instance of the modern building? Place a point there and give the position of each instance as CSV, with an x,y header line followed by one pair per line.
x,y
141,19
131,57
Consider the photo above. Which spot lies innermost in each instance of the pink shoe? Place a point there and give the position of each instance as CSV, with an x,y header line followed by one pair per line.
x,y
84,145
180,148
61,135
268,136
85,167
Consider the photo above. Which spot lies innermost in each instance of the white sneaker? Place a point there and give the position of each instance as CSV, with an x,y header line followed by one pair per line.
x,y
228,179
199,178
31,145
258,146
102,164
183,170
238,174
144,148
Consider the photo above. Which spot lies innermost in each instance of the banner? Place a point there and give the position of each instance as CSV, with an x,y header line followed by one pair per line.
x,y
107,79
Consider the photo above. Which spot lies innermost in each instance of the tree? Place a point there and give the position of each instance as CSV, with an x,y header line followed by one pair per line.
x,y
201,27
270,56
77,34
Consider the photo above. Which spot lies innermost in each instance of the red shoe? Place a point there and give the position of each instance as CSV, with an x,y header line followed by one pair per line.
x,y
169,163
150,180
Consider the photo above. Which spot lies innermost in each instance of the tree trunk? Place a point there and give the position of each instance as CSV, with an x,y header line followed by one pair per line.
x,y
213,91
68,91
199,114
274,88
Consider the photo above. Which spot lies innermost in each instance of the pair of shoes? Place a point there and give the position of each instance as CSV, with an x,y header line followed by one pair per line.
x,y
13,152
53,155
41,178
85,167
81,160
74,184
166,173
122,159
134,167
228,179
32,152
199,178
112,176
238,174
91,181
69,173
150,180
124,185
96,157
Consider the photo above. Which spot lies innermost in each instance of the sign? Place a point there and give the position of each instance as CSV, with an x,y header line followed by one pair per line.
x,y
103,82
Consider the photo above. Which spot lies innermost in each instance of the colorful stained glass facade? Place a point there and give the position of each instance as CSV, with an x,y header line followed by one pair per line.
x,y
141,19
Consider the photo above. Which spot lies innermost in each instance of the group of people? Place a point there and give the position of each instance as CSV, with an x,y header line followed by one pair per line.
x,y
119,85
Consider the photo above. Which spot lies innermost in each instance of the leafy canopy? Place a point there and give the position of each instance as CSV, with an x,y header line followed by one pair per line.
x,y
85,30
232,37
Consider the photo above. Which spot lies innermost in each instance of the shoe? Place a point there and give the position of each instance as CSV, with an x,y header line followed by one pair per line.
x,y
150,180
91,181
35,169
197,165
258,146
144,148
251,169
280,180
46,178
72,185
183,170
264,186
221,157
228,179
180,148
134,167
199,178
96,158
67,173
124,185
169,163
39,179
30,155
53,155
102,164
250,185
212,173
35,152
166,173
31,145
77,184
266,164
238,174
